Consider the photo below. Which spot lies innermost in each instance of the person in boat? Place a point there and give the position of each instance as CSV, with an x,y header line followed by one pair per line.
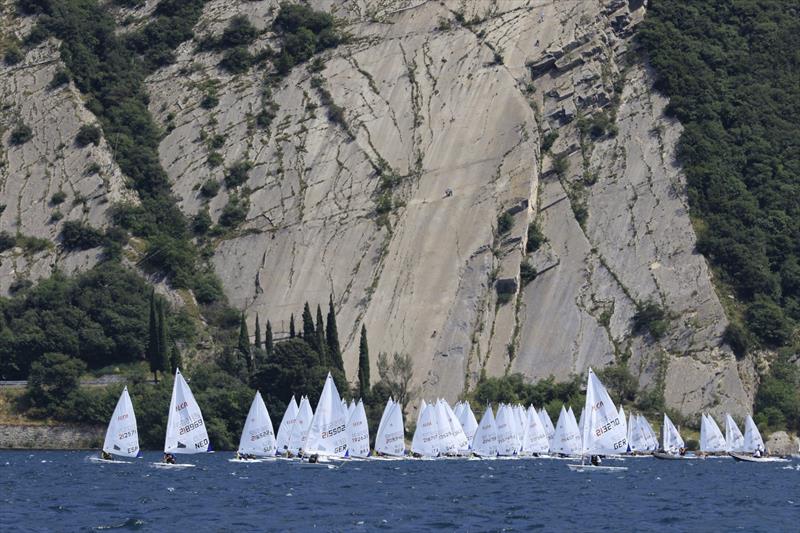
x,y
106,456
682,451
596,461
759,452
416,455
168,459
313,458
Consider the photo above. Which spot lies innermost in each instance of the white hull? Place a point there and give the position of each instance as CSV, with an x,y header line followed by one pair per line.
x,y
95,459
750,459
258,460
592,468
176,466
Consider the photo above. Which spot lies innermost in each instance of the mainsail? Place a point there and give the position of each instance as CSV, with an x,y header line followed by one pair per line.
x,y
328,432
186,430
426,436
535,436
122,437
734,440
548,425
287,425
507,441
567,437
485,442
468,422
297,440
257,436
390,439
603,431
462,442
752,437
672,440
358,432
447,443
711,439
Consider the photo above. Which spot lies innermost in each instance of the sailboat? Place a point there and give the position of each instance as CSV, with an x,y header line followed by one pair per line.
x,y
358,433
484,444
567,437
327,436
711,439
734,440
426,437
468,422
258,438
390,439
548,426
603,432
672,442
462,443
286,427
752,443
186,430
122,437
297,439
507,441
535,438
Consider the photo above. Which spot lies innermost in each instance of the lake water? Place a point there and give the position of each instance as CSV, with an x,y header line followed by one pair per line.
x,y
64,491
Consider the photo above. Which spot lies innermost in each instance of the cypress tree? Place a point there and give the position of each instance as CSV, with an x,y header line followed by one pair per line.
x,y
268,345
163,349
257,340
309,335
151,350
332,338
175,359
320,334
363,364
244,341
291,327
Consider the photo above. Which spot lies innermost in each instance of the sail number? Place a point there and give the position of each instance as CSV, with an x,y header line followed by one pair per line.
x,y
202,444
333,432
608,426
190,426
126,434
261,435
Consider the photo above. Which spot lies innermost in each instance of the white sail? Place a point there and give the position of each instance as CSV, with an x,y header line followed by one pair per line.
x,y
447,442
535,437
286,427
672,440
711,439
507,440
297,439
257,436
351,408
650,438
567,437
631,424
571,415
734,440
327,435
390,439
580,421
426,436
458,409
520,427
484,444
422,406
462,443
603,431
358,432
468,422
752,437
637,438
122,436
186,430
548,426
386,409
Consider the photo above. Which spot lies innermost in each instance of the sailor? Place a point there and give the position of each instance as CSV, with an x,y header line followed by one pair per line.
x,y
105,455
313,458
169,459
596,460
758,452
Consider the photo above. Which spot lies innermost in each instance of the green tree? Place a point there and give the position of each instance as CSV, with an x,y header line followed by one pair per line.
x,y
332,337
320,340
244,341
268,343
153,349
257,340
292,332
309,334
52,380
175,359
363,364
396,375
163,345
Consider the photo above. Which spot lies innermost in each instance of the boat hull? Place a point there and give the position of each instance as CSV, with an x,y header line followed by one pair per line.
x,y
670,456
743,457
170,466
593,468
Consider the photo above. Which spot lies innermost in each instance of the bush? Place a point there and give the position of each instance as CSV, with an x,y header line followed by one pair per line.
x,y
237,174
207,288
236,60
768,323
504,223
210,101
527,273
60,77
778,397
548,140
215,159
535,238
738,338
210,188
561,165
20,134
384,204
77,235
234,213
303,32
13,55
58,197
7,241
52,380
88,134
32,245
651,318
239,32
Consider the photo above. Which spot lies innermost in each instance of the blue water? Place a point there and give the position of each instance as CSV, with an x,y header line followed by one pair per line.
x,y
64,491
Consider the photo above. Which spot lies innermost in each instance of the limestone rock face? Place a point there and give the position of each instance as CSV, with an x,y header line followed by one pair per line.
x,y
412,207
49,179
782,443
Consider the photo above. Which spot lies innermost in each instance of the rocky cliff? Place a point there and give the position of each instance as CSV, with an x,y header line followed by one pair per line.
x,y
413,208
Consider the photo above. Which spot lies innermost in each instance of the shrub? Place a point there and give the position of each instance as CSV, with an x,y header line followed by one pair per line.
x,y
768,323
210,188
207,288
13,55
58,197
77,235
210,101
237,174
56,215
303,32
201,222
738,338
60,77
32,245
215,159
384,204
235,212
504,223
7,241
535,238
88,134
53,379
20,134
651,318
236,60
527,272
548,140
239,32
561,165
